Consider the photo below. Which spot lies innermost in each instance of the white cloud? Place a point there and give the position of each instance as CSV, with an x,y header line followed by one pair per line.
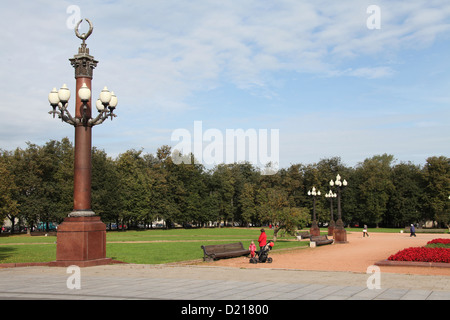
x,y
369,73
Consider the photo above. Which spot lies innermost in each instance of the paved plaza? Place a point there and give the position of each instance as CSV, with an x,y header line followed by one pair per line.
x,y
201,283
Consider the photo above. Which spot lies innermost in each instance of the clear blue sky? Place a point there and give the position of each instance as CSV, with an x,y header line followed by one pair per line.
x,y
311,69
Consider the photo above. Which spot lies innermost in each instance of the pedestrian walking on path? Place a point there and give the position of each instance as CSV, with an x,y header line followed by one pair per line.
x,y
413,231
365,231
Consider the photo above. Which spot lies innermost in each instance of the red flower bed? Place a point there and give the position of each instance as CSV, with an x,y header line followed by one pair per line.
x,y
443,241
422,254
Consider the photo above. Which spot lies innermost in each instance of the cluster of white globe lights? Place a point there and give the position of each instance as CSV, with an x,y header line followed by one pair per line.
x,y
106,104
338,183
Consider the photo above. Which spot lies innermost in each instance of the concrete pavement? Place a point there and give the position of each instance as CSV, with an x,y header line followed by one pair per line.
x,y
205,283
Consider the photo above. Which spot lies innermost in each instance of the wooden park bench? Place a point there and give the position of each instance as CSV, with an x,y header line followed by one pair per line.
x,y
321,240
229,250
303,235
43,233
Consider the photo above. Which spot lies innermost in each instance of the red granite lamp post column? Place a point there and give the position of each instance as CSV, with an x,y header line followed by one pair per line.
x,y
82,157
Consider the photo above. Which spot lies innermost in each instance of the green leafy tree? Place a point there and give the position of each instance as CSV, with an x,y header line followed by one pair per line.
x,y
134,182
27,173
404,206
193,208
61,153
436,173
247,201
106,187
43,177
171,190
375,188
291,180
274,208
291,219
271,202
223,183
8,206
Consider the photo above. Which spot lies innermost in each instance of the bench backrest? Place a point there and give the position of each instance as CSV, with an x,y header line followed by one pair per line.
x,y
319,238
219,248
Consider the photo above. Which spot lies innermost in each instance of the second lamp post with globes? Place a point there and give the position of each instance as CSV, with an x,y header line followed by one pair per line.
x,y
314,230
330,195
339,233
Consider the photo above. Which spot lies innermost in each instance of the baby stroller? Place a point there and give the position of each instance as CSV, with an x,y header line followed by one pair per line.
x,y
263,254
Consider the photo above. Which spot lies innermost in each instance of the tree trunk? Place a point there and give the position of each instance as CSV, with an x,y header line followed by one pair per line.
x,y
275,234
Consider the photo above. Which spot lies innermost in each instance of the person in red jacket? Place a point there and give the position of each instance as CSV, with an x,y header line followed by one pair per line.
x,y
262,239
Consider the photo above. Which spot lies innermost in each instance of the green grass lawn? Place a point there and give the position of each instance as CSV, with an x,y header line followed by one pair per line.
x,y
166,252
143,247
27,253
24,238
148,246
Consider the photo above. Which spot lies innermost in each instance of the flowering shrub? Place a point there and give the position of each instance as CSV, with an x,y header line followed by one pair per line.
x,y
422,254
436,241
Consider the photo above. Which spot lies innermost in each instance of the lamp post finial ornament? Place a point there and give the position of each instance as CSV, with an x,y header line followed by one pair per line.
x,y
84,36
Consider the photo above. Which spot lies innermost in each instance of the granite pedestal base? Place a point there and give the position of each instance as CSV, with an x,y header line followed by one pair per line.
x,y
340,235
314,231
331,230
81,241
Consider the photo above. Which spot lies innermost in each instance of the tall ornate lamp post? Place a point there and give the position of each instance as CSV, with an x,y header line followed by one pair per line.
x,y
339,233
81,238
315,230
330,195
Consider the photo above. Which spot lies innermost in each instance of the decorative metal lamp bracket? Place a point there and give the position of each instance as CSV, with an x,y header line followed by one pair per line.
x,y
84,65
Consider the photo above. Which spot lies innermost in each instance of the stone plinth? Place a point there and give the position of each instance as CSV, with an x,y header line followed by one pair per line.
x,y
331,230
81,241
314,230
340,235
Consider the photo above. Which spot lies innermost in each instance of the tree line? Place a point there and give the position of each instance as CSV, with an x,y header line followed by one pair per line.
x,y
137,189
